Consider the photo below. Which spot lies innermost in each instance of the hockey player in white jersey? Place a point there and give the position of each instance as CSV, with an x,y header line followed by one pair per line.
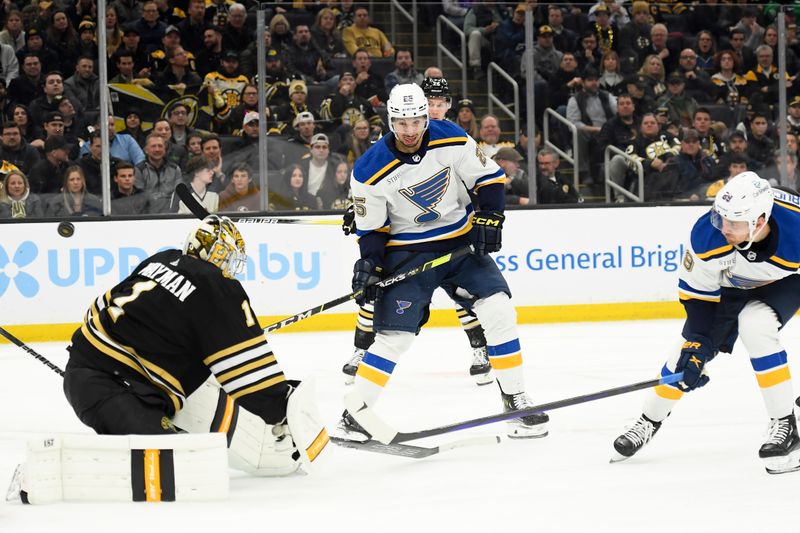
x,y
738,279
411,194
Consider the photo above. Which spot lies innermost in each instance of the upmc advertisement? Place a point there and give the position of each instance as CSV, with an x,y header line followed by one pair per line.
x,y
549,257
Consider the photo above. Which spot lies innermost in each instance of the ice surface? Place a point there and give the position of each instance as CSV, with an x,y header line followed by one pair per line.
x,y
700,474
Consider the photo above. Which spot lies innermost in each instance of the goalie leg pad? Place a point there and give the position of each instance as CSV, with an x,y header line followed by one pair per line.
x,y
125,468
305,423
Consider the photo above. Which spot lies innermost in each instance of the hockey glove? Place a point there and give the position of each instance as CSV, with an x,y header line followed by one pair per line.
x,y
695,353
487,232
365,278
349,221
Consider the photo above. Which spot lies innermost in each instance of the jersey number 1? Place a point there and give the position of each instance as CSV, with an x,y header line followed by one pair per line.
x,y
115,310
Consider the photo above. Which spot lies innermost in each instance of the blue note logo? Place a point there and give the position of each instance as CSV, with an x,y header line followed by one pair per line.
x,y
402,305
427,194
11,269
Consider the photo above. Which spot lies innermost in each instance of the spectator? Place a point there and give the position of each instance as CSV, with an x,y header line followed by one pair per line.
x,y
744,55
753,33
128,10
564,39
611,79
126,198
710,143
13,33
277,80
652,72
635,40
9,65
16,150
61,35
465,117
19,115
151,30
47,175
217,12
91,164
636,86
34,44
654,150
342,108
564,83
227,82
773,172
680,106
194,144
737,147
516,181
325,35
84,85
124,62
242,194
588,54
193,26
304,58
178,73
245,151
281,32
489,136
361,35
404,71
706,51
588,110
336,194
509,42
5,101
696,170
113,30
553,189
346,15
793,118
156,175
249,103
763,79
178,116
53,125
292,194
131,43
235,35
668,52
697,83
285,115
546,59
29,85
320,168
170,40
16,198
606,31
368,86
356,142
300,143
771,40
209,57
620,130
121,145
480,24
200,173
759,145
731,88
74,200
212,151
87,45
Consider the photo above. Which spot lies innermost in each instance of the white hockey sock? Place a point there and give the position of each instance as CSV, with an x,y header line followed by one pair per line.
x,y
379,362
499,322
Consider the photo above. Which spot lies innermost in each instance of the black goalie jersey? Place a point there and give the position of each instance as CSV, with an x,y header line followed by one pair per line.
x,y
174,320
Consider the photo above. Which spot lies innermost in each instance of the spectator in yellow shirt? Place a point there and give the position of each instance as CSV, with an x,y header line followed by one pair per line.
x,y
362,35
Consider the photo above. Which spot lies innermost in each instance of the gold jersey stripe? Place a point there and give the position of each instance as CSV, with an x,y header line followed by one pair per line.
x,y
211,359
259,386
230,374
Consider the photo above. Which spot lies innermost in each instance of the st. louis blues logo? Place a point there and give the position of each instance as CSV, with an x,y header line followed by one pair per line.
x,y
427,194
402,305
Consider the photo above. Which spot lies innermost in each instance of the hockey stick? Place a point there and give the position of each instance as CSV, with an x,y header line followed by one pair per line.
x,y
395,278
200,212
415,452
384,433
5,333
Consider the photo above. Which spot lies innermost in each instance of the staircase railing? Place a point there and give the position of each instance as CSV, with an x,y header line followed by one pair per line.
x,y
411,17
442,48
571,159
493,99
622,190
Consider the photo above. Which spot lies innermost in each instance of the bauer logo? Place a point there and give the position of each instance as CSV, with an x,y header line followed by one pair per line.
x,y
12,270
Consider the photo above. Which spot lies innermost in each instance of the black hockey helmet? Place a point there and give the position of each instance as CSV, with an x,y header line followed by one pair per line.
x,y
436,88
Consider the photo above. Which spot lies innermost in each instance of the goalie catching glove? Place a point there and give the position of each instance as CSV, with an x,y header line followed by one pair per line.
x,y
487,229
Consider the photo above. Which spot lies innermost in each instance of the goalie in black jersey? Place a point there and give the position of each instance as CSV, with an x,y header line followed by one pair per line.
x,y
176,347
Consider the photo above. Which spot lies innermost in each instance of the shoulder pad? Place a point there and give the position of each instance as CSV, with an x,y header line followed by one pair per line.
x,y
444,131
376,163
786,214
707,241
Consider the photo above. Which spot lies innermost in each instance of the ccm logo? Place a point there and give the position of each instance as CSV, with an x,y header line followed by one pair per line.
x,y
486,222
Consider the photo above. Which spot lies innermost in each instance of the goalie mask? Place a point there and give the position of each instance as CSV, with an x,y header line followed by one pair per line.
x,y
741,202
219,242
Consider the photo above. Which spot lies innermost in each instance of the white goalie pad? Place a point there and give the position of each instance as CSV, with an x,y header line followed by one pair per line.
x,y
305,424
135,468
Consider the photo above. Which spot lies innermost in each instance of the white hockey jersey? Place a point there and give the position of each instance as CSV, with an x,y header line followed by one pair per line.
x,y
711,263
422,197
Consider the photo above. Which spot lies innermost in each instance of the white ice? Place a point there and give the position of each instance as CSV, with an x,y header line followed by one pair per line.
x,y
700,474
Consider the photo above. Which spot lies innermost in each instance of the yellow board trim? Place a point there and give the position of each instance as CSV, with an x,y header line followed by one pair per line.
x,y
773,378
505,362
669,393
440,318
370,374
152,475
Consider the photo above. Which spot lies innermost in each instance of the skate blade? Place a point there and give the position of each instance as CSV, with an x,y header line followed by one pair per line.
x,y
783,465
538,431
484,379
617,457
342,433
349,380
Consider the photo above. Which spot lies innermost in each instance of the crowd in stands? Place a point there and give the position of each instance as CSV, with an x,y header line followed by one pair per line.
x,y
689,90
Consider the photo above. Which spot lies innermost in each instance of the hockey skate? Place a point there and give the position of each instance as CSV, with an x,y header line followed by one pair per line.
x,y
350,368
527,427
481,370
781,451
634,438
349,429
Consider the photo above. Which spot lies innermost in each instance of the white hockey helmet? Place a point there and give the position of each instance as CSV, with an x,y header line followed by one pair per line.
x,y
407,101
745,198
217,240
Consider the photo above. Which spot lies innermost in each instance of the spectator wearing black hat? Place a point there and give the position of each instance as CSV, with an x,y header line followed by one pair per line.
x,y
151,30
516,185
228,82
87,45
47,175
636,87
546,58
53,126
170,40
737,147
680,105
85,85
131,43
465,117
209,57
34,44
277,80
16,150
588,110
193,26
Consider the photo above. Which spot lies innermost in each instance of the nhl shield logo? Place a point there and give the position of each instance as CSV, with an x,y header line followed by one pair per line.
x,y
751,256
402,305
416,158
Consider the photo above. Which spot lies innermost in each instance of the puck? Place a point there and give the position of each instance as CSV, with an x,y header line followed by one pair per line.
x,y
66,229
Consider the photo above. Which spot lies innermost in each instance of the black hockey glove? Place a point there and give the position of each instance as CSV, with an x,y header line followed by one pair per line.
x,y
487,232
365,278
349,221
695,353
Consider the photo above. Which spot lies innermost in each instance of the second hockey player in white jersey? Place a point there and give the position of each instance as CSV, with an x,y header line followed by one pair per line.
x,y
411,195
739,278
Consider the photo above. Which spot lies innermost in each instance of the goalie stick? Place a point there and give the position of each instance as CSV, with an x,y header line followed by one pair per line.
x,y
186,196
384,433
409,450
14,340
